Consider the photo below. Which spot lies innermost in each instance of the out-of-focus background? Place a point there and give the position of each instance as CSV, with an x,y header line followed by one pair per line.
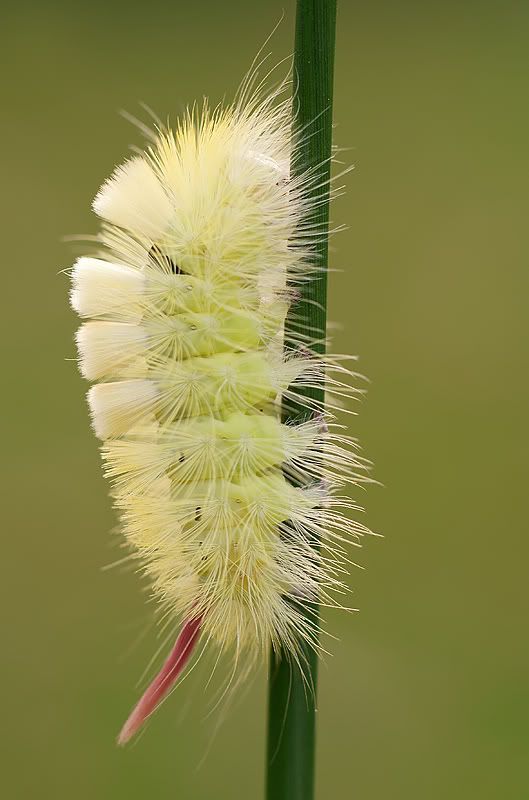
x,y
426,694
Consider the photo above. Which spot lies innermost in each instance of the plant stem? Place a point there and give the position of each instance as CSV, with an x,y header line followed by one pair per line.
x,y
292,704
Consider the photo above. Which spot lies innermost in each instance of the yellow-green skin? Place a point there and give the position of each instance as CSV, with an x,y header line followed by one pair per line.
x,y
185,343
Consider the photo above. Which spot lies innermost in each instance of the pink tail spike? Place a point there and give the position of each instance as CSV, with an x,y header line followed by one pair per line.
x,y
164,681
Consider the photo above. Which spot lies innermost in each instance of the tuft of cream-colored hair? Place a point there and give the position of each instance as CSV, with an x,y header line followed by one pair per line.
x,y
205,239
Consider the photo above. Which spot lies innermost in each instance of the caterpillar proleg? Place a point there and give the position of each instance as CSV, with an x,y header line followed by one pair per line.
x,y
204,240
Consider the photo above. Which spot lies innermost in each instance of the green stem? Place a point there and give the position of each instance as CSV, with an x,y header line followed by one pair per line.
x,y
292,705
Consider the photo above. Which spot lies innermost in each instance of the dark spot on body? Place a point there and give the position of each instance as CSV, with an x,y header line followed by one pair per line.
x,y
163,260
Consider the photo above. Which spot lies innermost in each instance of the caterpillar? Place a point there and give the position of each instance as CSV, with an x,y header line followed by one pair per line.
x,y
204,243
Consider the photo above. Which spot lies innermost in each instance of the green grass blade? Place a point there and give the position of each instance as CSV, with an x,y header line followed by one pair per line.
x,y
291,709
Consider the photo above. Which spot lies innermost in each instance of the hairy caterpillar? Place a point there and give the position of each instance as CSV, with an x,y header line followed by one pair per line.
x,y
204,241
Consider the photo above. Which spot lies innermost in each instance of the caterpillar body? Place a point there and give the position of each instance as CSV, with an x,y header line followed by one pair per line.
x,y
203,243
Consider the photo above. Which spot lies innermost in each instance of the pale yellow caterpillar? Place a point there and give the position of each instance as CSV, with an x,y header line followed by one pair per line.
x,y
203,245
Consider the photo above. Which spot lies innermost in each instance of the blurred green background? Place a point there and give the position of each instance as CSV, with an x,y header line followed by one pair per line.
x,y
426,695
